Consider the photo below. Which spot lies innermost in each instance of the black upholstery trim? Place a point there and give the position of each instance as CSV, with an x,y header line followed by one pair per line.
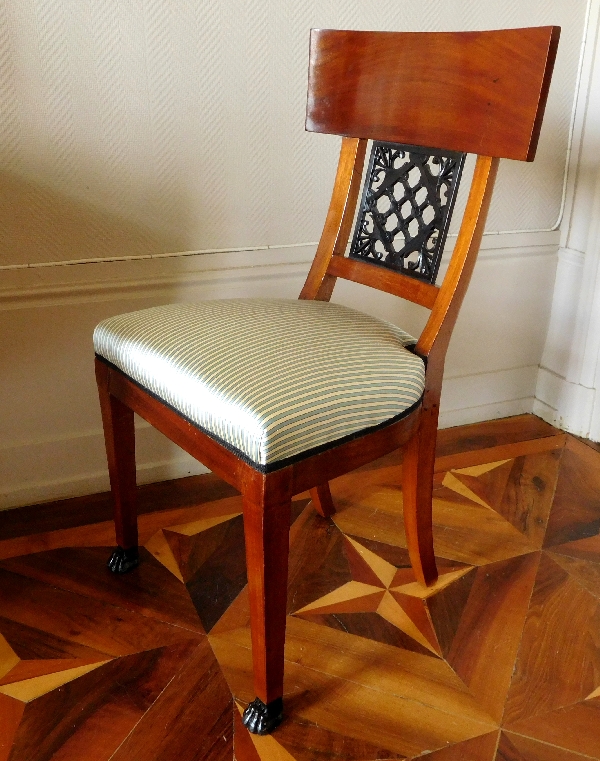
x,y
278,464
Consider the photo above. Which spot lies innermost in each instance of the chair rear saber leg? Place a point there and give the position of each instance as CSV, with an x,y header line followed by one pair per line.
x,y
266,529
322,500
119,437
417,488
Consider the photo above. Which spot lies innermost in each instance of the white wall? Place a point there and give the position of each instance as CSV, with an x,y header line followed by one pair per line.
x,y
143,129
568,388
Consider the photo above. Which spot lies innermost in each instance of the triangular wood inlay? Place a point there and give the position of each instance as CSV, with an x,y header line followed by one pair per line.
x,y
34,644
384,571
526,500
8,657
33,688
377,666
458,485
197,527
489,484
417,611
159,547
318,561
349,598
513,747
25,670
447,606
586,549
575,512
479,470
573,728
487,638
214,565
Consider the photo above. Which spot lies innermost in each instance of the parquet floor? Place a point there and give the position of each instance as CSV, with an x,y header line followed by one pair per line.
x,y
499,661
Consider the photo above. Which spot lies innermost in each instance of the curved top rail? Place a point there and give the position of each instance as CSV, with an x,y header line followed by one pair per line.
x,y
475,92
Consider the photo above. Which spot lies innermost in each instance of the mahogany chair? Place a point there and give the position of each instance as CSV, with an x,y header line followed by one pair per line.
x,y
277,397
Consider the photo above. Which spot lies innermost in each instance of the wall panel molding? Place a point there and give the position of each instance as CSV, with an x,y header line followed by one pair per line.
x,y
80,282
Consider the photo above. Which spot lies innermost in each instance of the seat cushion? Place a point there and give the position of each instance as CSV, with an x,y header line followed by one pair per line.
x,y
272,379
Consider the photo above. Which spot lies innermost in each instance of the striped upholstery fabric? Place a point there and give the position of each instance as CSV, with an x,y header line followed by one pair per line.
x,y
272,379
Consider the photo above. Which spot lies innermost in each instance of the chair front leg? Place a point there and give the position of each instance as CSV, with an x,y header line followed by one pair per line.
x,y
417,489
119,437
267,527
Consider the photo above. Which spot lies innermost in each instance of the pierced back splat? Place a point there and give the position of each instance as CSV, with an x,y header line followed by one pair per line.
x,y
406,207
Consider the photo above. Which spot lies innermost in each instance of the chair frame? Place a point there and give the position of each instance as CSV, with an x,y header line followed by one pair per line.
x,y
267,496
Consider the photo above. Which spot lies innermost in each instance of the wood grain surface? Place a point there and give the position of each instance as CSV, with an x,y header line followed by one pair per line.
x,y
486,91
499,660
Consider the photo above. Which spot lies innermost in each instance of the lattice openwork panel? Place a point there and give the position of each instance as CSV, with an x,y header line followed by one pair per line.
x,y
406,207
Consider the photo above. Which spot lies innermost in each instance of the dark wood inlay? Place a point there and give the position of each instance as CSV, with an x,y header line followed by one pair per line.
x,y
98,666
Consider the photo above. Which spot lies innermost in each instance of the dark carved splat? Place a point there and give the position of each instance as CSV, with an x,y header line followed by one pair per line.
x,y
406,207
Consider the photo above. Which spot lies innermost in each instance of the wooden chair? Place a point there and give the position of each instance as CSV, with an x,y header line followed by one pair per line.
x,y
279,397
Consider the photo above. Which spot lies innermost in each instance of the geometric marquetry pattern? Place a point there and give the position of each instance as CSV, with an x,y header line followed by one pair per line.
x,y
389,591
498,661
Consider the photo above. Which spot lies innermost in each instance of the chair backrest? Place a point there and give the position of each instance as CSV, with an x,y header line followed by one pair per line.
x,y
425,99
473,92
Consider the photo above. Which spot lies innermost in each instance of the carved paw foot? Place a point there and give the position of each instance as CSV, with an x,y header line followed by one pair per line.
x,y
261,719
122,560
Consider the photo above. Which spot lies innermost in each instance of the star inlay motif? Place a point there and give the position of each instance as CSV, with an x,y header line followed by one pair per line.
x,y
379,587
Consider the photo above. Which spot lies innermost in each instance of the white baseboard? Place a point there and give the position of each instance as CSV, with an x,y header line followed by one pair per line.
x,y
547,413
485,412
482,389
487,396
34,492
563,403
70,466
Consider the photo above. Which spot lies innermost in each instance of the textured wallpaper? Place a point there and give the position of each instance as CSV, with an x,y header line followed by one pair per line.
x,y
135,127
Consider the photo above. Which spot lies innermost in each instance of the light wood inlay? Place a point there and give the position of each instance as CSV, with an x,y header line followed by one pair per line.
x,y
30,689
452,482
384,571
391,611
416,590
267,747
345,599
195,527
8,657
161,550
479,470
499,660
